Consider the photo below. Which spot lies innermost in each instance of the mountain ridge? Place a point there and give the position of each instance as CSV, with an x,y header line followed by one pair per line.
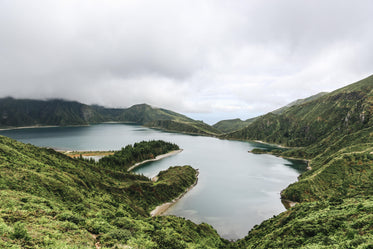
x,y
58,112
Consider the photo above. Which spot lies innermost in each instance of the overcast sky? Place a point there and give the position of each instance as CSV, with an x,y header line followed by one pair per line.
x,y
211,60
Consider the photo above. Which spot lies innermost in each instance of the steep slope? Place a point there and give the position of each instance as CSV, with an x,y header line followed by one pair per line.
x,y
335,196
334,223
341,112
49,200
231,125
299,102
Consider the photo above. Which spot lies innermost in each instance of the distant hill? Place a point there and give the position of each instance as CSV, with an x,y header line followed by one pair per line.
x,y
26,112
195,127
230,125
143,113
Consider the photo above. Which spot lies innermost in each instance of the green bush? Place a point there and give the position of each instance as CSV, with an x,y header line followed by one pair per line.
x,y
20,232
98,225
69,216
115,236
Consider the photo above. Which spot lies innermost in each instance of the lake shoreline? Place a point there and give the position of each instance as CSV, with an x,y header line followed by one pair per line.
x,y
157,158
273,145
55,126
190,146
306,161
159,210
31,127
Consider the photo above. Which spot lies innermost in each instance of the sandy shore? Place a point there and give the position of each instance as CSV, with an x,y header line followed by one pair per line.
x,y
274,145
159,210
75,154
28,127
155,159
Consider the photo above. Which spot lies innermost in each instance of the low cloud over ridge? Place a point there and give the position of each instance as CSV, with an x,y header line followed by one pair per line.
x,y
228,58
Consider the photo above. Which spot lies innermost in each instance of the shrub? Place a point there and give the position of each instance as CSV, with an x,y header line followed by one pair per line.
x,y
115,236
98,225
20,232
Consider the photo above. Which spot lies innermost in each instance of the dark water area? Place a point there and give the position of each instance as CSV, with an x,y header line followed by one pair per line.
x,y
236,189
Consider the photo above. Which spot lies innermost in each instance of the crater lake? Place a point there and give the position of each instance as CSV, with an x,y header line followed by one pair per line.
x,y
236,189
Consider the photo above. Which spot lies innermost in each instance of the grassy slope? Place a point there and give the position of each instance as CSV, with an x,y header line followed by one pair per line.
x,y
336,133
49,200
298,102
231,125
335,223
341,112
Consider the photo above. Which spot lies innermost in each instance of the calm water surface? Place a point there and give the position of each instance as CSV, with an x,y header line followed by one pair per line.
x,y
236,190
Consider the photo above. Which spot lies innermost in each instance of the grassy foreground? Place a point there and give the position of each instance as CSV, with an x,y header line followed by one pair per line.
x,y
49,200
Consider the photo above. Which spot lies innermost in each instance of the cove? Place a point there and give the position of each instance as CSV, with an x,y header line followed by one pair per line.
x,y
236,189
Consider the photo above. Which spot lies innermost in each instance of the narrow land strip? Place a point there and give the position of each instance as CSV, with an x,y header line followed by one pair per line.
x,y
75,154
159,210
171,153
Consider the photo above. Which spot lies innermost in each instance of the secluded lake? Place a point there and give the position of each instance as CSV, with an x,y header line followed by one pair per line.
x,y
236,189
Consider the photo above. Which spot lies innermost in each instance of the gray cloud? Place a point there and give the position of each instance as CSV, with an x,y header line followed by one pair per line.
x,y
239,57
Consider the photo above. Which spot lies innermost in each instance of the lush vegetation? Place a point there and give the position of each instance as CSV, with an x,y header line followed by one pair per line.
x,y
49,200
339,113
333,223
335,132
130,155
298,102
231,125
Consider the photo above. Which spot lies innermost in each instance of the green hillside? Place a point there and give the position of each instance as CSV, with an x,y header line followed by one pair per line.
x,y
341,112
166,120
334,223
335,133
26,112
231,125
143,113
49,200
299,102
